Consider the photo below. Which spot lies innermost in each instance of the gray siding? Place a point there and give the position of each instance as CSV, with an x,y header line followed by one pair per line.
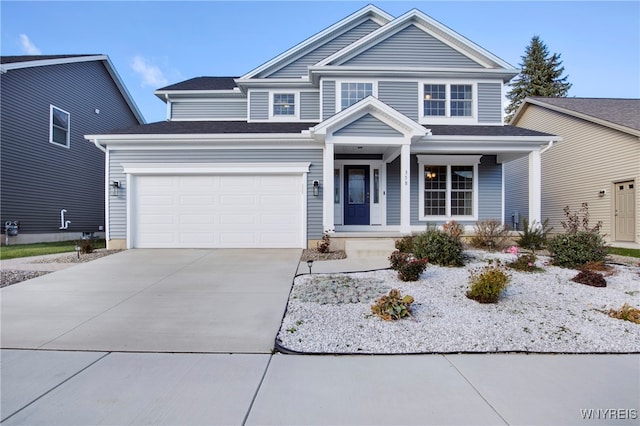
x,y
411,47
516,189
328,99
400,95
298,67
490,188
368,125
309,106
210,109
39,178
393,192
117,208
259,108
489,103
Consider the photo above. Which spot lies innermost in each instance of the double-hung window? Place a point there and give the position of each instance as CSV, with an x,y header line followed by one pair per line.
x,y
59,127
352,92
284,104
448,186
447,100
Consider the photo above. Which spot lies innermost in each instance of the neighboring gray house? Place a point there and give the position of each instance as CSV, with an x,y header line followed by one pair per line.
x,y
52,178
373,127
597,162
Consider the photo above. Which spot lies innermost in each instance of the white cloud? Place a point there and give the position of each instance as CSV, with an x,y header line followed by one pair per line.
x,y
28,47
151,74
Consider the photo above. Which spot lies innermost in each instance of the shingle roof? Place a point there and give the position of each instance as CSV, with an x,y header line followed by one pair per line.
x,y
624,112
204,83
239,127
31,58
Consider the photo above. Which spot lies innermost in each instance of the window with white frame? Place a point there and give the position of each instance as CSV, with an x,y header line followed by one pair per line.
x,y
447,100
284,104
352,92
448,186
59,127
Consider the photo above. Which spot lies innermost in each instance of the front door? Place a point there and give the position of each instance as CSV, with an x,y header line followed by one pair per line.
x,y
625,211
356,195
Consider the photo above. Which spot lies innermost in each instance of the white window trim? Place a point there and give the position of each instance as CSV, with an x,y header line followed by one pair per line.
x,y
447,160
374,89
296,100
447,118
68,145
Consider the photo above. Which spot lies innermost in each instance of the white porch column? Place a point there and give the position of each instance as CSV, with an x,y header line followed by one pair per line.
x,y
535,188
327,188
405,186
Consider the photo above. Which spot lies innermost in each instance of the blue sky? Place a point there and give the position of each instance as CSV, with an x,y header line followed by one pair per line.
x,y
153,44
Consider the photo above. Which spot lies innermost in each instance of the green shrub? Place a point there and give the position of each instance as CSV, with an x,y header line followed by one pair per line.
x,y
393,306
578,248
534,237
525,263
439,247
487,283
490,234
409,268
405,244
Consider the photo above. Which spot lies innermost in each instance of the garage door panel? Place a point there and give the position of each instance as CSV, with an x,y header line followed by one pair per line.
x,y
218,211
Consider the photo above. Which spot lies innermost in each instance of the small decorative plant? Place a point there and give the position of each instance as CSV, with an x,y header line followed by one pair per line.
x,y
591,278
393,306
627,313
86,246
525,262
325,243
487,283
534,237
405,244
409,268
453,228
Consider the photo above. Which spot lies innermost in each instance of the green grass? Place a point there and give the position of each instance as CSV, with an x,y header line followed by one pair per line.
x,y
624,251
39,249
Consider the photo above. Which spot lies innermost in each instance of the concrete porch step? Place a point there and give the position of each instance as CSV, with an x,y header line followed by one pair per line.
x,y
369,247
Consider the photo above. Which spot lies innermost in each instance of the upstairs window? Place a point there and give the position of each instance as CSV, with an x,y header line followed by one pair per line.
x,y
284,104
59,133
448,100
352,92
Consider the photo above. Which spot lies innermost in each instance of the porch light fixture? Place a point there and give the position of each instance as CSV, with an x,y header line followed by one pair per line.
x,y
114,187
427,97
316,188
431,175
309,264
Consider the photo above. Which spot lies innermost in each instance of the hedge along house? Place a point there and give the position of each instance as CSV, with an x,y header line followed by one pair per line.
x,y
373,127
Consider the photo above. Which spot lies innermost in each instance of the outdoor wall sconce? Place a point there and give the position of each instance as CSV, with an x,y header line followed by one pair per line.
x,y
602,192
309,264
114,187
316,188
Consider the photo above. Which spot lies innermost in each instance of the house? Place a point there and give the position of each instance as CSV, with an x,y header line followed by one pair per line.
x,y
597,162
373,127
52,179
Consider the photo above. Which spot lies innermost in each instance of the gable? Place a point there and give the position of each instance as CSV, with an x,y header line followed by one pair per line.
x,y
298,67
410,47
367,125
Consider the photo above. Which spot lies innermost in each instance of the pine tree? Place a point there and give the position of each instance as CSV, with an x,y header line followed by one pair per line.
x,y
540,76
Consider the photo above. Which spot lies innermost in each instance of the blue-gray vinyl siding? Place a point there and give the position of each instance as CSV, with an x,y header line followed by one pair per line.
x,y
310,106
320,51
118,207
410,47
516,194
368,125
259,106
210,109
328,98
402,96
38,179
489,191
490,103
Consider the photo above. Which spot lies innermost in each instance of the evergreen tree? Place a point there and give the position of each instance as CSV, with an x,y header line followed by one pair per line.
x,y
540,76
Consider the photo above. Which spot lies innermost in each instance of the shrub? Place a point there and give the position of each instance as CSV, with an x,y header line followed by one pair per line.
x,y
525,263
591,278
324,244
405,244
453,228
393,306
487,283
572,250
533,237
439,247
409,268
490,234
626,313
86,246
579,221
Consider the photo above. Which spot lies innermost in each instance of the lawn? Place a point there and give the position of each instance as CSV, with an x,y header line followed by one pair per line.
x,y
624,251
39,249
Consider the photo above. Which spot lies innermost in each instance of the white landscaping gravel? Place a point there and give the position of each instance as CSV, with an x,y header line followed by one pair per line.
x,y
542,312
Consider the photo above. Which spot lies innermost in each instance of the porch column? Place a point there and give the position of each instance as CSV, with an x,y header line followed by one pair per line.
x,y
405,186
327,189
535,188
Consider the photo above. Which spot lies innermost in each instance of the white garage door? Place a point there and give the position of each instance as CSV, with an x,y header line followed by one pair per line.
x,y
196,211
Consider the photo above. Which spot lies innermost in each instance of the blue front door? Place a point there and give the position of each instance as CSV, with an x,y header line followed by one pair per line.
x,y
356,195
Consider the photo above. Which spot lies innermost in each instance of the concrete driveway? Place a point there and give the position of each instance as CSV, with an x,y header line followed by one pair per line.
x,y
217,300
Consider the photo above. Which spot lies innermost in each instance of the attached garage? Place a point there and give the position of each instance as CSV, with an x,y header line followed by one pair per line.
x,y
217,206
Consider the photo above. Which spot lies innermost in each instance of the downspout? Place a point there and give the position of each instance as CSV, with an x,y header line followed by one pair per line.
x,y
100,147
546,148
